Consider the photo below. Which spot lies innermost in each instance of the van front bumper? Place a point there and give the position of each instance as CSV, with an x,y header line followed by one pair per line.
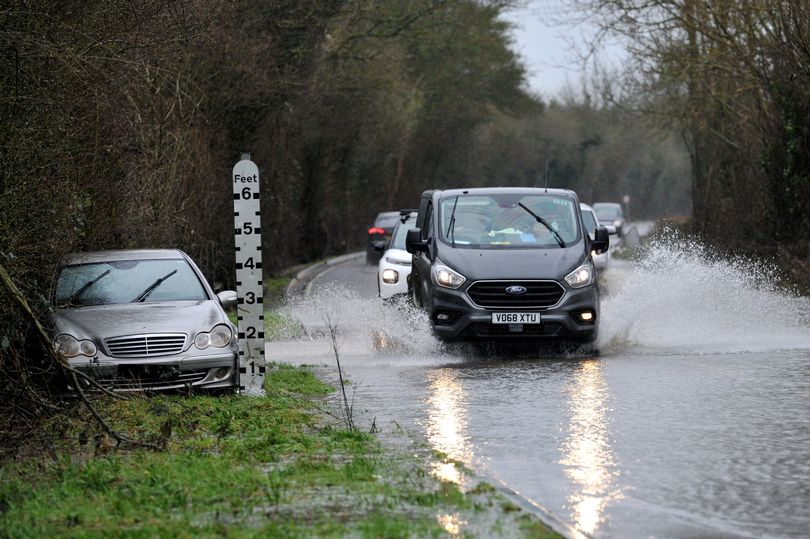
x,y
454,316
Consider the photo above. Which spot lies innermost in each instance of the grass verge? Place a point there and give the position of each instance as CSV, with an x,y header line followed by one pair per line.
x,y
235,466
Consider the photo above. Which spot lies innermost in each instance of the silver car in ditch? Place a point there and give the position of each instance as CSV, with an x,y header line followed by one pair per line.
x,y
143,320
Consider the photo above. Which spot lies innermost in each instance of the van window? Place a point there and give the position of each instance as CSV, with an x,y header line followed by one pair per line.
x,y
503,221
427,230
589,222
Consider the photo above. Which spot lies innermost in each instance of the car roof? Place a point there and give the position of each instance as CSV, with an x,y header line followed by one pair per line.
x,y
121,254
606,204
507,190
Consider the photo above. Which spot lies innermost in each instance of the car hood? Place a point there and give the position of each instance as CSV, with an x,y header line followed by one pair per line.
x,y
99,322
478,264
398,254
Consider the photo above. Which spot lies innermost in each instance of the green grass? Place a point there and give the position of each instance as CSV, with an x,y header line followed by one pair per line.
x,y
274,288
232,466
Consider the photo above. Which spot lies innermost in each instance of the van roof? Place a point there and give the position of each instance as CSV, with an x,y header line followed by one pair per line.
x,y
506,191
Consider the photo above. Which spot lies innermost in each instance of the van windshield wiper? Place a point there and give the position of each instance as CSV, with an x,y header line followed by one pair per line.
x,y
451,230
85,287
545,224
145,294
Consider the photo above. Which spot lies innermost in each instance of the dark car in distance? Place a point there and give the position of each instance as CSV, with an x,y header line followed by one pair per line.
x,y
505,263
610,213
379,234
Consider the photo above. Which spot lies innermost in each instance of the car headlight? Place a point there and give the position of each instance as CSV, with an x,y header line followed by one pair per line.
x,y
219,337
70,346
617,223
446,277
582,276
398,261
390,276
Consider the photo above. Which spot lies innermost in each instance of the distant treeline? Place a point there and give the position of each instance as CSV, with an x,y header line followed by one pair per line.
x,y
121,121
736,75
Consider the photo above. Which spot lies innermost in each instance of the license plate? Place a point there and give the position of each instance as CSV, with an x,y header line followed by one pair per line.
x,y
515,318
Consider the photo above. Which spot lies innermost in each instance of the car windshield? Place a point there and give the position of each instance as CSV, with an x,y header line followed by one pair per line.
x,y
398,239
589,221
124,281
505,221
386,220
608,212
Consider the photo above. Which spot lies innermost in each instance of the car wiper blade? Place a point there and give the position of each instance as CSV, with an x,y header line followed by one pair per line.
x,y
545,224
85,287
145,294
451,230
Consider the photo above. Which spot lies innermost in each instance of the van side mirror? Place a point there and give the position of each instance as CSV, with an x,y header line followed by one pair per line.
x,y
414,243
601,240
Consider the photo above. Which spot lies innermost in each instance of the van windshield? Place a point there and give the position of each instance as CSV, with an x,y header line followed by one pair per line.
x,y
498,221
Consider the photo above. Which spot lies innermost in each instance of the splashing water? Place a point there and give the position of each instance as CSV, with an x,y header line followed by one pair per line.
x,y
365,324
681,297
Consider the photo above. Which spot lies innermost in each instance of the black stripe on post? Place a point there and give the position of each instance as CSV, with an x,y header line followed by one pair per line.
x,y
255,195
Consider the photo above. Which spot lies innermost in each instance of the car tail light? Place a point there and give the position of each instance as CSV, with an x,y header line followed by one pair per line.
x,y
376,230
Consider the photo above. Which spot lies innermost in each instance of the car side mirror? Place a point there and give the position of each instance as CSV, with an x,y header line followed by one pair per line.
x,y
378,246
227,298
414,243
601,240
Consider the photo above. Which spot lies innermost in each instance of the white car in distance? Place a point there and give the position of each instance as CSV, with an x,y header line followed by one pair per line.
x,y
395,263
600,261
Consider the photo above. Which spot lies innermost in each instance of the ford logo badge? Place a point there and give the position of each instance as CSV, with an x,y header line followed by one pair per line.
x,y
516,290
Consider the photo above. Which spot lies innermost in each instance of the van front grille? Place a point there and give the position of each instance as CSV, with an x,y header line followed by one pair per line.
x,y
493,294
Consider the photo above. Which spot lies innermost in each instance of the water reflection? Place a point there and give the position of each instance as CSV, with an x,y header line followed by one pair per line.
x,y
588,458
447,423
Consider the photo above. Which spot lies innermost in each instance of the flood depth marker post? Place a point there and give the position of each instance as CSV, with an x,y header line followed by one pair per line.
x,y
249,282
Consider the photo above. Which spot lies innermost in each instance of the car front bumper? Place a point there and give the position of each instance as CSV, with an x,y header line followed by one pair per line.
x,y
400,287
193,368
467,321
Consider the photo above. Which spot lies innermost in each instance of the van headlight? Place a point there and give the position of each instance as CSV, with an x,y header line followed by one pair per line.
x,y
582,276
70,346
446,277
219,337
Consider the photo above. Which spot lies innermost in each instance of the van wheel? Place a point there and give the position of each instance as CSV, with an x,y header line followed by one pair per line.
x,y
415,297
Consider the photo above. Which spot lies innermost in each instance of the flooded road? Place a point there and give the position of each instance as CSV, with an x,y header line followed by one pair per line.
x,y
693,421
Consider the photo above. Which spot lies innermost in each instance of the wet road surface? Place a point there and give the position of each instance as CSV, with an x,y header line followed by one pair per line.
x,y
693,421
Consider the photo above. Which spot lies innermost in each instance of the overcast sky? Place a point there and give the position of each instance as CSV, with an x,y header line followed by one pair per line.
x,y
549,50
